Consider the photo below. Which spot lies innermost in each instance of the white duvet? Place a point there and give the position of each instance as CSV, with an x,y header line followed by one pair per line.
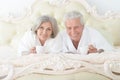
x,y
107,64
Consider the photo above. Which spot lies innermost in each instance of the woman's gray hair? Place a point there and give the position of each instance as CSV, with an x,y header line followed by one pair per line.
x,y
73,15
47,18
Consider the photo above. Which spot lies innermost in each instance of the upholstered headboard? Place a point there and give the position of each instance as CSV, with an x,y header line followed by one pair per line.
x,y
12,28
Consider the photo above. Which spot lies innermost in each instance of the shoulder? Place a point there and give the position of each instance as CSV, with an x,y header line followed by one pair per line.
x,y
92,31
29,34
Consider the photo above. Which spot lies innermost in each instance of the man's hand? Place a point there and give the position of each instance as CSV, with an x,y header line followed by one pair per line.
x,y
92,49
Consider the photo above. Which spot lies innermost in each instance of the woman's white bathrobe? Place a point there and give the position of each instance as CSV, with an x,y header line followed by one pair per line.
x,y
29,41
89,36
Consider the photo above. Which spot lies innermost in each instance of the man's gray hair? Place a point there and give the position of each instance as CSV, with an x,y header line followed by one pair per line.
x,y
46,18
73,15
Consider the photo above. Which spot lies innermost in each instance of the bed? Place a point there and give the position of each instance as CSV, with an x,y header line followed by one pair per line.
x,y
104,66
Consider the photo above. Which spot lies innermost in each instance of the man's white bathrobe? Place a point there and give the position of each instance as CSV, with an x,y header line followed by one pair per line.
x,y
29,41
89,36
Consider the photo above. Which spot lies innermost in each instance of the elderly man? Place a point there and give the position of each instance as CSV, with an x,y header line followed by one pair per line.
x,y
78,38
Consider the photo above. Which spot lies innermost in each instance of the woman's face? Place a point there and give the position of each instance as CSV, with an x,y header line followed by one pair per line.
x,y
44,31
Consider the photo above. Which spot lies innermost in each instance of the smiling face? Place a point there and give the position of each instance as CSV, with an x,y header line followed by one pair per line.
x,y
44,31
74,29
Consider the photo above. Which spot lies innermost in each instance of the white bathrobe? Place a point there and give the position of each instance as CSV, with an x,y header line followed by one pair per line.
x,y
89,36
29,41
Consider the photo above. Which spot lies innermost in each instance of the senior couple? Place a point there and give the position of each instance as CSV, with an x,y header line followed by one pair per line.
x,y
75,38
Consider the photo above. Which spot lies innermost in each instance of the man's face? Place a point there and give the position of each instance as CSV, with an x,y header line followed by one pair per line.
x,y
74,29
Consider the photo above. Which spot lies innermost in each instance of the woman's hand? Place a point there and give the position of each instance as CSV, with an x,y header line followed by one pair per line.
x,y
33,50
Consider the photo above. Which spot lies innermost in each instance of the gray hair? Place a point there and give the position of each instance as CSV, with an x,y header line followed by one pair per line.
x,y
46,18
73,15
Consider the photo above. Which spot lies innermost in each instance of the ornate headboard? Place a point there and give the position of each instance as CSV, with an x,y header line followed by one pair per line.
x,y
13,27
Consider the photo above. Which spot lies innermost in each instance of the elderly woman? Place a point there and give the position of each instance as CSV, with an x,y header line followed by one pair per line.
x,y
39,37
